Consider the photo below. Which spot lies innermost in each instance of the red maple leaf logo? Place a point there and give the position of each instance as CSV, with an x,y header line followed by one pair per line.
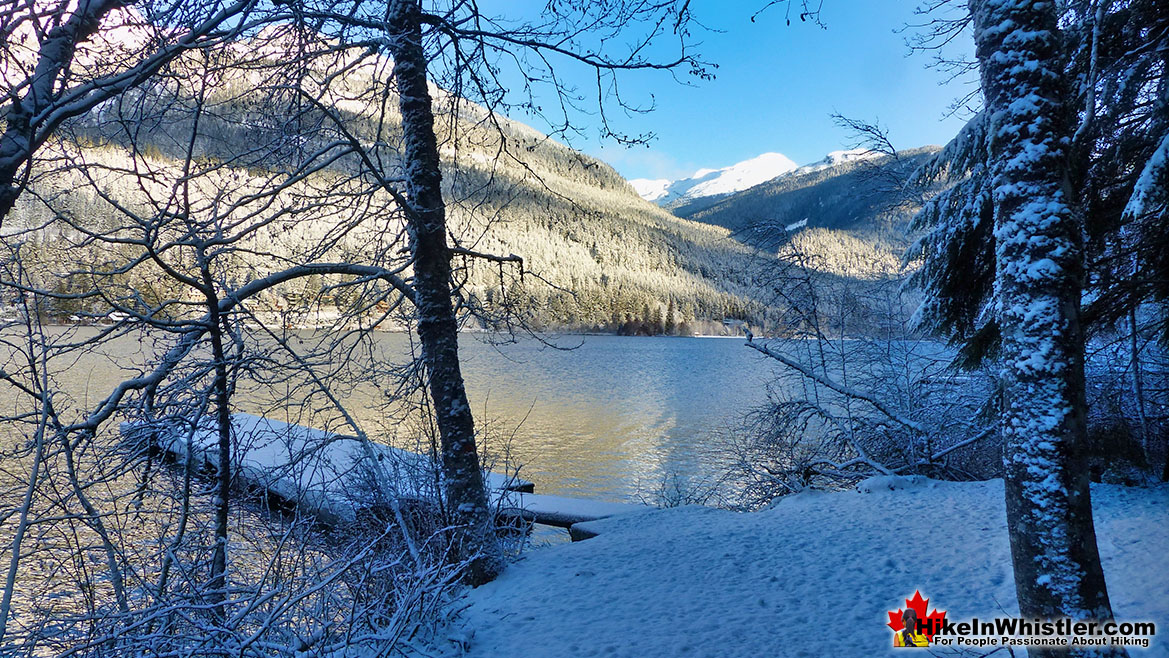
x,y
930,623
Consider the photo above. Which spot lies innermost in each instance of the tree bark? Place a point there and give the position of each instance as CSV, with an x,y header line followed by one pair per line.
x,y
1038,281
54,56
466,497
223,475
1138,384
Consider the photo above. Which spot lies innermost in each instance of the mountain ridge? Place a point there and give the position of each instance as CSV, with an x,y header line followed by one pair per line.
x,y
605,254
714,182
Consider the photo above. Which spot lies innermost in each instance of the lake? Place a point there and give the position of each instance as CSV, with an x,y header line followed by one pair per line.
x,y
610,419
613,417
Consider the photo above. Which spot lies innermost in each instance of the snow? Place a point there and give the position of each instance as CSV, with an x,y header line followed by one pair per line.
x,y
651,189
836,158
881,483
328,473
815,575
715,182
738,177
1152,181
1037,256
795,226
564,511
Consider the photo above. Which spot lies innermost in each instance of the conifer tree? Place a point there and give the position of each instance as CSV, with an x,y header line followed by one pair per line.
x,y
1114,74
1037,282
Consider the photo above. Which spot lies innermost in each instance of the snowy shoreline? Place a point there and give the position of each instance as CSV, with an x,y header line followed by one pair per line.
x,y
708,582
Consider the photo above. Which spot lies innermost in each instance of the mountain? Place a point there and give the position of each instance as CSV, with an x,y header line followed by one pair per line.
x,y
599,253
848,212
847,190
836,159
651,189
712,184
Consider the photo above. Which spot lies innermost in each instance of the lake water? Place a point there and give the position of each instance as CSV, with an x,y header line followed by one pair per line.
x,y
613,417
610,419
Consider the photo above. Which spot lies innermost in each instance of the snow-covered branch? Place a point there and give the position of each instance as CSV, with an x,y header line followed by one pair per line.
x,y
846,391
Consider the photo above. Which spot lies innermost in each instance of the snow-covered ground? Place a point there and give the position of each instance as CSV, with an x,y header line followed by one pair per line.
x,y
814,576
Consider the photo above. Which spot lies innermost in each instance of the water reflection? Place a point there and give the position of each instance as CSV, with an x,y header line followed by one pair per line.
x,y
610,417
617,412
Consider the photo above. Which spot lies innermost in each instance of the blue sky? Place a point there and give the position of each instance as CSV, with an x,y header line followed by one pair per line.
x,y
776,87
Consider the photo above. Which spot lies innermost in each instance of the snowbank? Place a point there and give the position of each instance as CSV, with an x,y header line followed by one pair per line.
x,y
813,576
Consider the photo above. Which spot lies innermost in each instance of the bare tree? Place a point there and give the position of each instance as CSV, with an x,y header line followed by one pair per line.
x,y
862,393
437,326
257,179
174,243
45,83
467,42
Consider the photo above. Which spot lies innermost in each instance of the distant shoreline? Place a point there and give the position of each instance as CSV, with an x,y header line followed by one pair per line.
x,y
564,331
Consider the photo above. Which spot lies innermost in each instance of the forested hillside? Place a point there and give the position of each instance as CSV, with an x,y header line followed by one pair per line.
x,y
594,253
596,256
863,196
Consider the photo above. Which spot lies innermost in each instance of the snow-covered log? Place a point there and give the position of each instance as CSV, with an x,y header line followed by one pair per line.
x,y
327,475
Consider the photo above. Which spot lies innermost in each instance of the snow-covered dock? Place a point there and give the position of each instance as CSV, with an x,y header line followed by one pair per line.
x,y
565,512
334,476
331,476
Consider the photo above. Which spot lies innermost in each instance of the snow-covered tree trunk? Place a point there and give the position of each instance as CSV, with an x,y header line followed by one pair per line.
x,y
437,326
1038,279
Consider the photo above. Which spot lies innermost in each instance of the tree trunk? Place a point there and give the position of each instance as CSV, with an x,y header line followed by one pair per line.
x,y
218,581
1138,384
466,496
1039,273
54,56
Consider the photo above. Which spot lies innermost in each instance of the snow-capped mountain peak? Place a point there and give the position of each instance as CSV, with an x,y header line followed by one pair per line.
x,y
715,182
835,158
651,189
